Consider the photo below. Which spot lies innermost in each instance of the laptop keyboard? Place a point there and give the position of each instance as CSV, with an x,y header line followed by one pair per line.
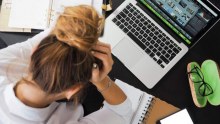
x,y
148,36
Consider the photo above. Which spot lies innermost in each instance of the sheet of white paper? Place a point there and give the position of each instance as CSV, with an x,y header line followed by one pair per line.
x,y
139,100
181,117
37,14
4,18
98,5
29,14
132,93
59,5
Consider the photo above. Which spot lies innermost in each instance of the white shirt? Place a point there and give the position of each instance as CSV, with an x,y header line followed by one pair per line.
x,y
14,62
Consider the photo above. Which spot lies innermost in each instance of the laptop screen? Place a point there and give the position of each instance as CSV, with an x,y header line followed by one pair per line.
x,y
189,19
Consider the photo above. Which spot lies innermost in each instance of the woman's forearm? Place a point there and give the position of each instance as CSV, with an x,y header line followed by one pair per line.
x,y
111,92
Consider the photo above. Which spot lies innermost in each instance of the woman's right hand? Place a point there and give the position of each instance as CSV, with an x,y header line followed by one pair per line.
x,y
101,51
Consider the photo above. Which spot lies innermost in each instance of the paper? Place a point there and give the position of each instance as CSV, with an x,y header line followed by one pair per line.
x,y
132,93
39,14
4,18
59,5
98,5
181,117
29,14
139,99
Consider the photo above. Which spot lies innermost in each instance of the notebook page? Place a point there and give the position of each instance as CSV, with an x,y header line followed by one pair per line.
x,y
4,18
58,7
135,95
142,109
98,5
29,14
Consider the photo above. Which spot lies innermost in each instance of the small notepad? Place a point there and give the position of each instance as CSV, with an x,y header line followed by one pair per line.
x,y
146,108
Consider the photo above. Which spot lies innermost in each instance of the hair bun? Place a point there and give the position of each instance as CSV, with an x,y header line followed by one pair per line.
x,y
79,26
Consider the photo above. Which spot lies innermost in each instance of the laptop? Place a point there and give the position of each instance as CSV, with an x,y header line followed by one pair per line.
x,y
150,36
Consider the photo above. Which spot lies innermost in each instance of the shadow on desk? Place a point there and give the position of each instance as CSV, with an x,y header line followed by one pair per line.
x,y
2,43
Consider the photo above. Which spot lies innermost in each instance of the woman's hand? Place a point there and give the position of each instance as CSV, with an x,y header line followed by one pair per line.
x,y
101,51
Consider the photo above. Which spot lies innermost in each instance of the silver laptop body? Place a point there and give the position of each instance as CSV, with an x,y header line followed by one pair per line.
x,y
148,68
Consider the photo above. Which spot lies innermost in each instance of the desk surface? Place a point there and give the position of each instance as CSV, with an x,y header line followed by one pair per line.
x,y
173,87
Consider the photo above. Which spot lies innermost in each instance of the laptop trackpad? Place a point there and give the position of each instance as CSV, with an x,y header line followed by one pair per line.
x,y
127,52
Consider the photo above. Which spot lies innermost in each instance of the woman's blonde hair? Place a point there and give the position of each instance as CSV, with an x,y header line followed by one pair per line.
x,y
63,58
79,27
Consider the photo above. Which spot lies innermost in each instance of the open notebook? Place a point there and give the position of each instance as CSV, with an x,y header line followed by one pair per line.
x,y
147,109
40,14
4,18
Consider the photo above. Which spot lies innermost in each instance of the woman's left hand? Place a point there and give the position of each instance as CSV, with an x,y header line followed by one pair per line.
x,y
101,51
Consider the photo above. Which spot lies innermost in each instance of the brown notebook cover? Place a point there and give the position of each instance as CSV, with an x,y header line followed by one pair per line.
x,y
158,110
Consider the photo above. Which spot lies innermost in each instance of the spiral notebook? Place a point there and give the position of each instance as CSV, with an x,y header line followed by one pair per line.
x,y
147,109
40,14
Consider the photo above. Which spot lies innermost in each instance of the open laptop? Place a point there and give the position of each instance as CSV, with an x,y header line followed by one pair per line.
x,y
150,36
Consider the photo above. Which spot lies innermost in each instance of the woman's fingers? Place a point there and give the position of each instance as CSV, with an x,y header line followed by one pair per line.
x,y
95,73
106,59
99,74
102,52
104,44
103,48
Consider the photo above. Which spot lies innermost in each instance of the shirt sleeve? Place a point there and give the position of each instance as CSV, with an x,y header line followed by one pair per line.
x,y
14,59
111,114
24,49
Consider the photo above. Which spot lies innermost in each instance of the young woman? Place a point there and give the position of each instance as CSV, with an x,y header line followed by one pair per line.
x,y
57,64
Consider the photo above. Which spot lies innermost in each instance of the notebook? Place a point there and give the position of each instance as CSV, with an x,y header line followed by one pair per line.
x,y
146,108
4,18
40,14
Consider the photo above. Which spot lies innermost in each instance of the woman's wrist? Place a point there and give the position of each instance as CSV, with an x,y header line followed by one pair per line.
x,y
111,92
104,84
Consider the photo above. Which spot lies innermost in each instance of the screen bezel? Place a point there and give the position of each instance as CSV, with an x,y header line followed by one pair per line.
x,y
173,33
